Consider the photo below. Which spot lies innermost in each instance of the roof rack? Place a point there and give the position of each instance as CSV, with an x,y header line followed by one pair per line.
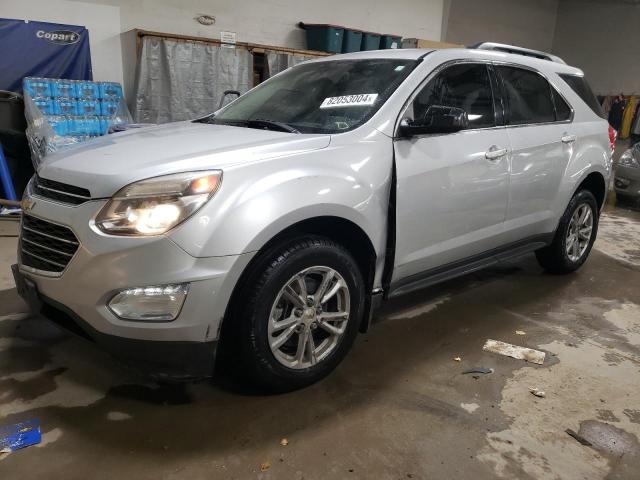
x,y
502,47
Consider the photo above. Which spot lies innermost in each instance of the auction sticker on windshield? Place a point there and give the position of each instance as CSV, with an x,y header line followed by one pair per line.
x,y
360,100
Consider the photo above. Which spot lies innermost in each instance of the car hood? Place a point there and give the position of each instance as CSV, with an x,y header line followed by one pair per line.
x,y
108,163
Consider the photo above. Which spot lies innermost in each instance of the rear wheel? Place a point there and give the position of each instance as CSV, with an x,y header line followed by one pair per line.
x,y
574,237
300,315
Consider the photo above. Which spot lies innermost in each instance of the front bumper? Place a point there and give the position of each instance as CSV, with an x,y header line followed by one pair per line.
x,y
104,265
627,182
168,360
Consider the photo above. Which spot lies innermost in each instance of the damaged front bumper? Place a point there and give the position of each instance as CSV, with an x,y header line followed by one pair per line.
x,y
162,360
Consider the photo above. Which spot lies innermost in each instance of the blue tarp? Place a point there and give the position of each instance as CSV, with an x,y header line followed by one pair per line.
x,y
42,49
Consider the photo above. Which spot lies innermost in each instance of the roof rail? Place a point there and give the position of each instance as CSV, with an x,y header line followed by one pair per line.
x,y
502,47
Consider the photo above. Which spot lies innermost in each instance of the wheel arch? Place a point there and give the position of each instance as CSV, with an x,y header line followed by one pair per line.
x,y
596,184
339,229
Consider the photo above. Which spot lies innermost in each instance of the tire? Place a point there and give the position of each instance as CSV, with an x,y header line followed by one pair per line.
x,y
273,369
556,258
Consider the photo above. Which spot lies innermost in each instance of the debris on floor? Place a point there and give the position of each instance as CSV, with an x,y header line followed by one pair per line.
x,y
579,438
284,442
457,359
537,392
482,370
514,351
469,407
607,439
118,416
20,435
265,466
520,332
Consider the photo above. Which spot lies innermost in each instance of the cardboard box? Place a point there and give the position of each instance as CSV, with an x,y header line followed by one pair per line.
x,y
420,43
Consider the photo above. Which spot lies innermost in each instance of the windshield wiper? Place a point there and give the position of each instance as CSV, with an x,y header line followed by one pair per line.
x,y
253,123
205,119
271,124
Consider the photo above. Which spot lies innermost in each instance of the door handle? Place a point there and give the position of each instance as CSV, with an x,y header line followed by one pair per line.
x,y
494,153
566,138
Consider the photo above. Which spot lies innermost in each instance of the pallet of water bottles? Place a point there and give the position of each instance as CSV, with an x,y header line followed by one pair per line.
x,y
63,112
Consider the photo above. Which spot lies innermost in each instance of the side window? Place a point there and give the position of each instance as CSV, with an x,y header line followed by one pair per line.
x,y
579,85
528,96
465,86
563,111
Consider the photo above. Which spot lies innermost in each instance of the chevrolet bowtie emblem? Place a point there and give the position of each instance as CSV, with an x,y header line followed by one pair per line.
x,y
27,205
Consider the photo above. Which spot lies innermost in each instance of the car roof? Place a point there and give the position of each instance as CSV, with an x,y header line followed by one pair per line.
x,y
397,53
456,53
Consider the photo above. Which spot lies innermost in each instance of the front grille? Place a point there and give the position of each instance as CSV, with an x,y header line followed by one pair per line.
x,y
60,192
45,245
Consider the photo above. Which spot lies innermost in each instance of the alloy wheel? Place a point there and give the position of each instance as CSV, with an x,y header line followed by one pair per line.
x,y
579,232
309,317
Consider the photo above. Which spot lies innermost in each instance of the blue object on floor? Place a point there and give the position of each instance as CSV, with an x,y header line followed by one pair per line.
x,y
5,178
20,435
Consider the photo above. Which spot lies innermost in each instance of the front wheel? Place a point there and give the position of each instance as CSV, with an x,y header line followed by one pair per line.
x,y
574,237
300,315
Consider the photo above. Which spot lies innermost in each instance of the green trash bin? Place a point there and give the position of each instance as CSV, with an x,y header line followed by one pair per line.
x,y
323,37
390,41
351,41
370,41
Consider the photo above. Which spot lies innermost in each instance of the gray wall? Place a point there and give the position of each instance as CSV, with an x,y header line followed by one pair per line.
x,y
603,39
270,22
527,23
273,22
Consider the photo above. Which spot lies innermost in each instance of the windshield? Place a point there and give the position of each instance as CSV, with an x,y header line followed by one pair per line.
x,y
320,97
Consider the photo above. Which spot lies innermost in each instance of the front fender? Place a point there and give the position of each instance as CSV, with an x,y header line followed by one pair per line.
x,y
255,204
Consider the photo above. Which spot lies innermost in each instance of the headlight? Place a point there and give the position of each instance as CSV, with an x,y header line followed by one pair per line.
x,y
156,205
628,159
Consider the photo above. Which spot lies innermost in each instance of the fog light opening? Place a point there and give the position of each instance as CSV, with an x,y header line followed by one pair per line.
x,y
156,303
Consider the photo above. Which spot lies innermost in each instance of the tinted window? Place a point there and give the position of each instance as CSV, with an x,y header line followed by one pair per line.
x,y
320,97
465,86
563,111
528,96
581,87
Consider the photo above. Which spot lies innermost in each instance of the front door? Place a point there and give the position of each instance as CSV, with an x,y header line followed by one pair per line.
x,y
452,189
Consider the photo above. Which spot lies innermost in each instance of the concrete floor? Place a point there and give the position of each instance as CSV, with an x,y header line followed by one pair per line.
x,y
399,406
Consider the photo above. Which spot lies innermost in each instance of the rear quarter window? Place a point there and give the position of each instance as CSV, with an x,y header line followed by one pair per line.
x,y
579,85
563,110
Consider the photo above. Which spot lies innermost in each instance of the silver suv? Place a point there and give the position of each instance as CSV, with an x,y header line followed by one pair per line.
x,y
267,233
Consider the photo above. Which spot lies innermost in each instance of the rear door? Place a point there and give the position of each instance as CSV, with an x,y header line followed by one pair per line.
x,y
542,138
452,188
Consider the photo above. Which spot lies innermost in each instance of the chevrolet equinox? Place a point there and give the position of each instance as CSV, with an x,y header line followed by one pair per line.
x,y
267,233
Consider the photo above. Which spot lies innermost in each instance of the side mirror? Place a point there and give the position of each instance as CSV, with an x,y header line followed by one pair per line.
x,y
437,119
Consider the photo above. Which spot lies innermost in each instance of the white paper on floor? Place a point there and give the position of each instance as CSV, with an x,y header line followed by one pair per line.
x,y
509,350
